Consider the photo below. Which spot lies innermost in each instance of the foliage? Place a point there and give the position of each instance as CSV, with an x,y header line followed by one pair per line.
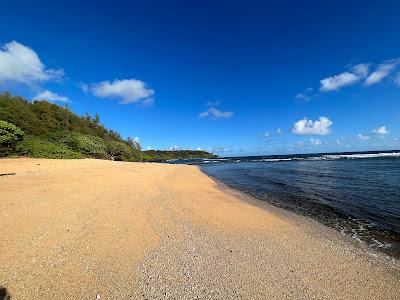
x,y
52,131
90,146
158,155
134,143
121,151
35,147
9,136
42,117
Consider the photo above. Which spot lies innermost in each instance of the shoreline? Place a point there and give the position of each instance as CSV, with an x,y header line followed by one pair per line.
x,y
292,213
82,228
309,223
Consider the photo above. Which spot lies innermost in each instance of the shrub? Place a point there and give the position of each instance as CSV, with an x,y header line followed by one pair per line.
x,y
9,136
35,147
91,146
121,151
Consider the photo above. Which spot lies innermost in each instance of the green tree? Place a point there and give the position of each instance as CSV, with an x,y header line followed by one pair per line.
x,y
134,143
55,131
9,136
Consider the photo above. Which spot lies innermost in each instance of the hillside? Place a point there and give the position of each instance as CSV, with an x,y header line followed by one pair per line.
x,y
46,130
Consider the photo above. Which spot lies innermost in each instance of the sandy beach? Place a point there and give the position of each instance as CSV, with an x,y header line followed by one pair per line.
x,y
93,229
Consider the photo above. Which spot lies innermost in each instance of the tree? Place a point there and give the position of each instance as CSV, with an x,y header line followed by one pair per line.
x,y
96,120
9,136
119,151
134,143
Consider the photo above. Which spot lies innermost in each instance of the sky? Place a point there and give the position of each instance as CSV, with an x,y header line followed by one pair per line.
x,y
232,77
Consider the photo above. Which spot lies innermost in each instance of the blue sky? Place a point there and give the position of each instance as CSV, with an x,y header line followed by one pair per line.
x,y
236,78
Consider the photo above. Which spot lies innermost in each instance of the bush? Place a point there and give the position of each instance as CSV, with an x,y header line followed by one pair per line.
x,y
121,151
91,146
9,136
35,147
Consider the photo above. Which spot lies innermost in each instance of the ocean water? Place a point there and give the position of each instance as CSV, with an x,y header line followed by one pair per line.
x,y
356,193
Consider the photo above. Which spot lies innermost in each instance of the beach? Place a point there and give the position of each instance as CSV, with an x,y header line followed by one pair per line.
x,y
96,229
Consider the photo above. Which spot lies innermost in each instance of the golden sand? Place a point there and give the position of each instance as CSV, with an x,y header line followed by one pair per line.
x,y
87,229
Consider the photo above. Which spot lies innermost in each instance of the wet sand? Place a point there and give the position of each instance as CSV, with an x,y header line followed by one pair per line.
x,y
87,229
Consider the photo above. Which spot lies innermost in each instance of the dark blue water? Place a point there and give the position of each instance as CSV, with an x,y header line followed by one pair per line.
x,y
357,193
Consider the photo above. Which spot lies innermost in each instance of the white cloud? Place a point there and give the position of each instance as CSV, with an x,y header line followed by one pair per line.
x,y
300,144
334,83
360,69
303,96
279,131
306,94
315,142
356,74
308,127
339,142
214,113
363,137
397,79
198,149
381,72
125,90
220,149
84,87
213,103
174,148
21,64
266,134
50,96
381,130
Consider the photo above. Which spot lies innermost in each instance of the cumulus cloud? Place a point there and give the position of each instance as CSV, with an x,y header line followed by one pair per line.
x,y
381,130
125,90
50,96
214,113
279,131
266,134
21,64
315,142
363,137
382,71
309,127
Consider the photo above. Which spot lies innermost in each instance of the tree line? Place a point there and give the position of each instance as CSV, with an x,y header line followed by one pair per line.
x,y
46,130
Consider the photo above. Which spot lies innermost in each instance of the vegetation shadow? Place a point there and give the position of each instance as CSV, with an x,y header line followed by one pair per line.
x,y
4,295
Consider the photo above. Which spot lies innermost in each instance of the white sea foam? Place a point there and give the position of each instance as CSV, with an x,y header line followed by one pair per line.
x,y
360,156
327,157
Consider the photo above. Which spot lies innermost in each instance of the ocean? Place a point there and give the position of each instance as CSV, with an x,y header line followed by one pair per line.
x,y
358,193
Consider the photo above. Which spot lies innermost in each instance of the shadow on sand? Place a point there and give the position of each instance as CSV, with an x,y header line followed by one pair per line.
x,y
4,295
7,174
